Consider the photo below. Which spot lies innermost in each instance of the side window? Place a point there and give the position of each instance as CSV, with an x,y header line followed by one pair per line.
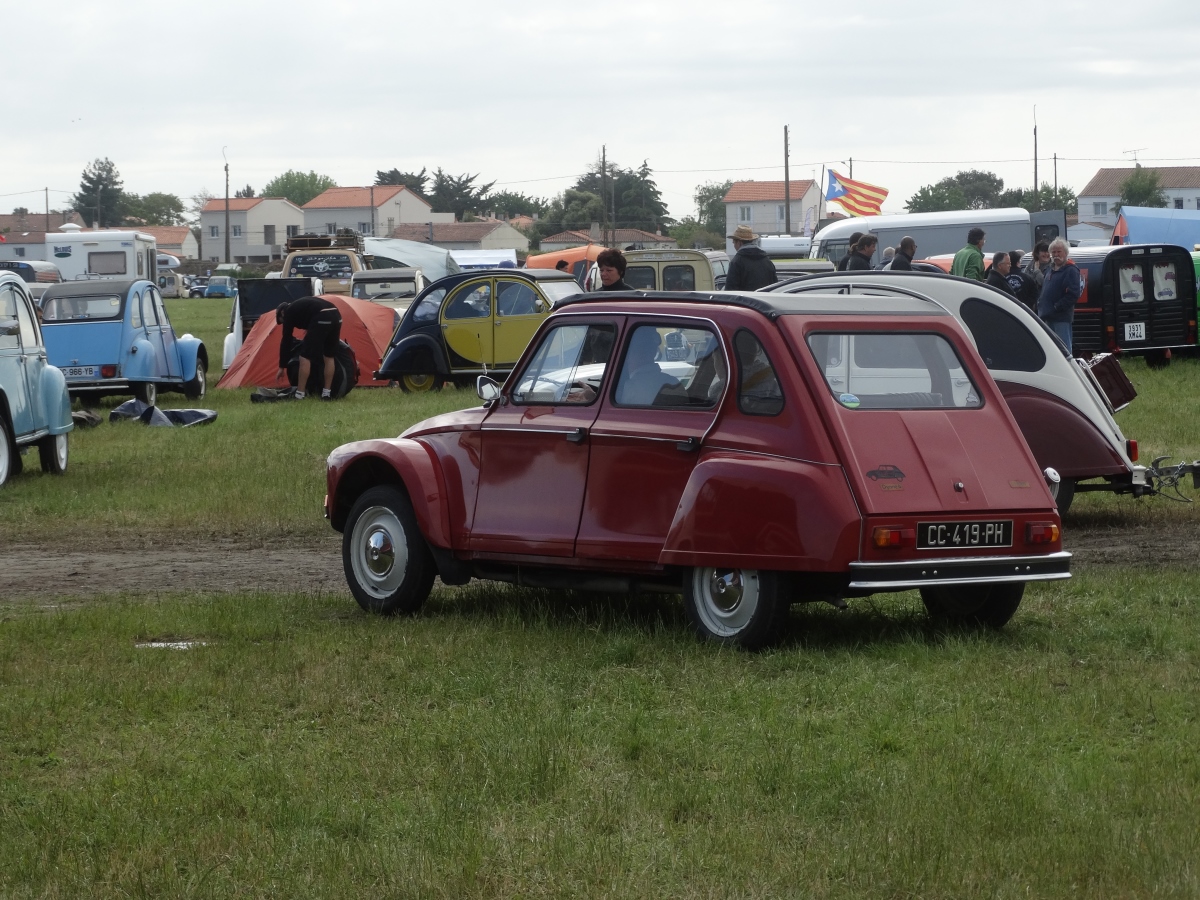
x,y
147,306
135,312
679,278
1002,339
427,310
29,332
669,366
141,271
10,329
471,301
109,262
159,309
516,298
568,366
641,278
759,393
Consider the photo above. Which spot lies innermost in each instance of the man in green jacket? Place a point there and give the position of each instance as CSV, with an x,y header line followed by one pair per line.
x,y
968,262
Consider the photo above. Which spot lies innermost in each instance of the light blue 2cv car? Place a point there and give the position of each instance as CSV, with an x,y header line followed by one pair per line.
x,y
35,410
114,337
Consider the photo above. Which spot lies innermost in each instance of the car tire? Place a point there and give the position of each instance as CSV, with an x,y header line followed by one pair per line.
x,y
388,565
989,605
10,457
1157,359
420,384
52,450
743,607
1063,494
197,387
147,392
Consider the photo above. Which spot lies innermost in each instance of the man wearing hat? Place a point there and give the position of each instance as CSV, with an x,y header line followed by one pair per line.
x,y
750,268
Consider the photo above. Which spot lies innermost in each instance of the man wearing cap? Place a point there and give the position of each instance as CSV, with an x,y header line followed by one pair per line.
x,y
750,268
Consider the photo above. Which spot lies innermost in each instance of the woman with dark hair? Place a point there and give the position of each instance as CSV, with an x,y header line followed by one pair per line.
x,y
853,246
612,270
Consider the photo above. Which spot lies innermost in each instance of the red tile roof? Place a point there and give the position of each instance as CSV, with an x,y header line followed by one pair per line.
x,y
236,204
34,219
357,197
760,191
1107,182
164,235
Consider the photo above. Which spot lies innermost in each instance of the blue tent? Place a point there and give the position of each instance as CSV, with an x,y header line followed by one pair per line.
x,y
1143,225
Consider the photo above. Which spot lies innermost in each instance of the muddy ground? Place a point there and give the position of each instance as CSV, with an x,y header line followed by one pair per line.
x,y
28,572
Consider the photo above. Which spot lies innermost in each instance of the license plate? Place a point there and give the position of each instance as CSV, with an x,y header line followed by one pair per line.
x,y
950,535
79,371
1135,331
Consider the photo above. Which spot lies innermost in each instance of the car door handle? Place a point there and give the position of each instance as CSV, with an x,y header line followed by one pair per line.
x,y
691,445
578,436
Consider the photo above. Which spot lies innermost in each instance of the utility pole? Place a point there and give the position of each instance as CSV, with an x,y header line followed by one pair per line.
x,y
604,195
47,209
787,187
1056,181
1037,195
226,204
851,175
373,211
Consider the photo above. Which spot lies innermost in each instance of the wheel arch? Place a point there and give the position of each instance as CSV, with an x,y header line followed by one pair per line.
x,y
415,354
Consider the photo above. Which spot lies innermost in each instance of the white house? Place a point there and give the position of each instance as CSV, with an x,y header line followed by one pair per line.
x,y
1097,200
350,207
177,240
489,235
258,228
760,204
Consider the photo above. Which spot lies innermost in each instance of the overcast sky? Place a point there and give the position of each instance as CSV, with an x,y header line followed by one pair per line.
x,y
526,94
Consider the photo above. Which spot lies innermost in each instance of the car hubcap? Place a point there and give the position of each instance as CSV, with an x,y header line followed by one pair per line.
x,y
60,450
726,599
380,557
418,382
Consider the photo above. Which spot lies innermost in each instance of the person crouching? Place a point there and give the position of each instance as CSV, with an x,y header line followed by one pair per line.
x,y
322,324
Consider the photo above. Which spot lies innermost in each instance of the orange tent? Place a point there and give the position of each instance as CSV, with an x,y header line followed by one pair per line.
x,y
367,327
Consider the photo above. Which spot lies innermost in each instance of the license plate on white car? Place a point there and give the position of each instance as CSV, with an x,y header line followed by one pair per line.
x,y
1135,331
79,371
949,535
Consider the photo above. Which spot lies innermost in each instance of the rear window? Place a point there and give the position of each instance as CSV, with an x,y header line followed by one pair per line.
x,y
893,370
641,278
1003,340
679,278
559,290
63,309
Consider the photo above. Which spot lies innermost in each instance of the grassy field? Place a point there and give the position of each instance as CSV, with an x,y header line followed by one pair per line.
x,y
520,743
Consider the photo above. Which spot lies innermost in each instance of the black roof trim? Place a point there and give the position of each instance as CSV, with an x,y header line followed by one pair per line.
x,y
773,305
91,287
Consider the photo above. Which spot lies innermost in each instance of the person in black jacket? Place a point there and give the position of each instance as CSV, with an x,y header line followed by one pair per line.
x,y
860,258
322,324
1023,287
845,260
998,274
612,270
750,268
905,251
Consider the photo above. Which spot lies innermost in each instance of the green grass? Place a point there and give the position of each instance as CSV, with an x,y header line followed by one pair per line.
x,y
208,319
510,743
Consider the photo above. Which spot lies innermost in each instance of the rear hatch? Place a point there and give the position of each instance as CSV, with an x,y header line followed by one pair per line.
x,y
83,333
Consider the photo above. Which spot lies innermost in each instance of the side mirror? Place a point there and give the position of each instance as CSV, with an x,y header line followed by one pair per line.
x,y
487,389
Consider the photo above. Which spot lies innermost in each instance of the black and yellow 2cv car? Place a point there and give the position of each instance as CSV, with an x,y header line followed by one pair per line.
x,y
471,324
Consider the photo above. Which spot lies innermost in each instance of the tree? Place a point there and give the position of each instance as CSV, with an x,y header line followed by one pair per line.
x,y
1141,188
457,194
630,195
692,233
414,181
153,209
297,186
937,198
245,192
512,203
710,206
100,188
199,201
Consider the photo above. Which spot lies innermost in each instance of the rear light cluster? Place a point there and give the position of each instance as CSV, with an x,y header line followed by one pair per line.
x,y
108,371
1041,533
894,537
1131,450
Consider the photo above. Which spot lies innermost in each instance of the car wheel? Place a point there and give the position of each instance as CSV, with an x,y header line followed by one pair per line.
x,y
387,563
1063,494
1157,359
147,392
198,386
53,452
6,453
735,606
420,384
991,605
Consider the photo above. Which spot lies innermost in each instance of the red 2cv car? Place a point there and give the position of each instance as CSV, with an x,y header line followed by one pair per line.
x,y
746,450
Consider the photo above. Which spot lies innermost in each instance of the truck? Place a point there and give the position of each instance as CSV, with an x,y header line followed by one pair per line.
x,y
942,232
333,258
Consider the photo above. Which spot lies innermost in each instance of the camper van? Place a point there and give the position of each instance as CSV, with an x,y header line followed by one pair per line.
x,y
102,254
173,284
942,232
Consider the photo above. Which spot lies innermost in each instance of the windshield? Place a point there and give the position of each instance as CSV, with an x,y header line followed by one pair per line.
x,y
893,371
559,290
61,309
320,265
396,289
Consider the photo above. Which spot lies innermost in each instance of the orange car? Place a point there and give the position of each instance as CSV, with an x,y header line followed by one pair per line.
x,y
579,259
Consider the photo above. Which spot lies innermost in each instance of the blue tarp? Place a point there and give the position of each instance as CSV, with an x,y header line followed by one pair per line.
x,y
1144,225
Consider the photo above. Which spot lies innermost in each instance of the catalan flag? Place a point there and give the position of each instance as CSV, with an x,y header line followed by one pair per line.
x,y
856,197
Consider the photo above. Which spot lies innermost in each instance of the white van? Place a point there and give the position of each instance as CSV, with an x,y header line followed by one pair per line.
x,y
102,254
173,285
942,232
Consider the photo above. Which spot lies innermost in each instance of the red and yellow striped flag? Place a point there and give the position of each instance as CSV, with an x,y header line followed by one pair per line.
x,y
856,197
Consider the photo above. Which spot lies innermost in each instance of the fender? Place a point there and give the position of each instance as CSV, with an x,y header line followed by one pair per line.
x,y
1059,435
353,468
191,348
55,401
414,354
139,365
764,512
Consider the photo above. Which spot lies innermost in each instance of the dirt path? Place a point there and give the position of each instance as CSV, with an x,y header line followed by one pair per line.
x,y
312,565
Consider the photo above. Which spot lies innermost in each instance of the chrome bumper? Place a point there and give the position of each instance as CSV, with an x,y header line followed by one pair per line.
x,y
917,573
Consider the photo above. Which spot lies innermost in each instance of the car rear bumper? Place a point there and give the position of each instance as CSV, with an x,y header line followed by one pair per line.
x,y
918,573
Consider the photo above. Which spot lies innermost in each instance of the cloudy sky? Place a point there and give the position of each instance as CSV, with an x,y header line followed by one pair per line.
x,y
526,94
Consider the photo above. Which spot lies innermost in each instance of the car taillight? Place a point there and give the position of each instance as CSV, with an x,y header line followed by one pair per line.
x,y
108,371
1041,533
1112,338
887,536
1131,450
